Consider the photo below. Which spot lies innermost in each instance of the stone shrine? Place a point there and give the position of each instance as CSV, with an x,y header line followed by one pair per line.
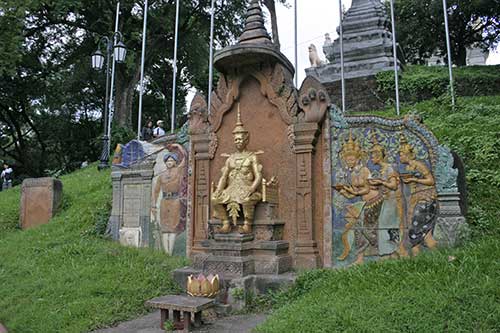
x,y
367,51
149,194
40,200
281,180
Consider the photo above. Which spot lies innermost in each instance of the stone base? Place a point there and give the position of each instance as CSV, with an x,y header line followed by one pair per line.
x,y
451,228
235,255
307,255
361,94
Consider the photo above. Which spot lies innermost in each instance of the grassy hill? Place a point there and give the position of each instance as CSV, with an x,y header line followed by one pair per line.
x,y
63,276
450,290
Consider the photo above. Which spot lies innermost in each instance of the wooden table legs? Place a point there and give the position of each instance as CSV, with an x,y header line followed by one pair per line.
x,y
163,318
186,316
197,319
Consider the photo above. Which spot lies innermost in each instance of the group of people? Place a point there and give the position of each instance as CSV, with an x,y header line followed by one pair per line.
x,y
6,176
386,217
149,133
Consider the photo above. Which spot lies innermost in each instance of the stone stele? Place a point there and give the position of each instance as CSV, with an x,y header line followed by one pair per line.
x,y
40,199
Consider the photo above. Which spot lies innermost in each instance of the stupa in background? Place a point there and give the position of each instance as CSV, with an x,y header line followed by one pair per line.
x,y
367,51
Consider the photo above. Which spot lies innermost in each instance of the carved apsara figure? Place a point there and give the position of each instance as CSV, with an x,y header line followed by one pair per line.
x,y
391,218
422,205
237,187
361,216
167,188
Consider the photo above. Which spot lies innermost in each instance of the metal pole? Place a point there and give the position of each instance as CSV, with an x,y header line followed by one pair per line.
x,y
448,47
210,64
111,97
395,55
104,154
139,117
296,46
172,125
342,55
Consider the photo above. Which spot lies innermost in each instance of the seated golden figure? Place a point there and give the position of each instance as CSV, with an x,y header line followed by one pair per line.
x,y
241,177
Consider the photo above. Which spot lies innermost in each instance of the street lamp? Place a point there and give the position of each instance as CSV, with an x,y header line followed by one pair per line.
x,y
114,47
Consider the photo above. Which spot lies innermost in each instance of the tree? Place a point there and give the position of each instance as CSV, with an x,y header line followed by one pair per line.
x,y
420,27
50,99
271,6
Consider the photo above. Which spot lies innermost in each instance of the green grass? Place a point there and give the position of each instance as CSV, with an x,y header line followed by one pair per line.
x,y
9,209
63,277
418,83
425,294
428,293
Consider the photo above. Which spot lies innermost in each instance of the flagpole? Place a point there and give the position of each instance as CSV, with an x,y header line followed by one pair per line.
x,y
142,68
448,47
111,106
296,46
341,33
174,74
395,55
210,64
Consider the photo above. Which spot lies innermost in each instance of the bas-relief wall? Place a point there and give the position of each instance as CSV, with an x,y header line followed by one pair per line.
x,y
382,222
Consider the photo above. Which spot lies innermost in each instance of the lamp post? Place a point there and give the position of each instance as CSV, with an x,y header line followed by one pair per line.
x,y
118,51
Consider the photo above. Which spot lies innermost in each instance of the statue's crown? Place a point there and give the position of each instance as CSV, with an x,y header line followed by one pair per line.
x,y
376,146
351,147
239,125
404,146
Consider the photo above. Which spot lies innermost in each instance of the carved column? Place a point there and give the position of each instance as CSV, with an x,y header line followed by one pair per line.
x,y
306,250
200,143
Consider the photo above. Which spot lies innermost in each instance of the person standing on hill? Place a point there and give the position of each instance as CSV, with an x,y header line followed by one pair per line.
x,y
147,131
6,176
158,131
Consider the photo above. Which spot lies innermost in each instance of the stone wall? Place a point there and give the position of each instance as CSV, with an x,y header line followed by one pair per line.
x,y
361,94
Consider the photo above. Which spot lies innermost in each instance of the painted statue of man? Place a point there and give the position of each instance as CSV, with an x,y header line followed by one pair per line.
x,y
167,187
237,187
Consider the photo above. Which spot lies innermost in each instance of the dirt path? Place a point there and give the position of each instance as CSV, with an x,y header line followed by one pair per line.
x,y
149,324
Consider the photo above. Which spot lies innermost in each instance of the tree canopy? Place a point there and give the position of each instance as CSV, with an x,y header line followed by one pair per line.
x,y
51,100
421,32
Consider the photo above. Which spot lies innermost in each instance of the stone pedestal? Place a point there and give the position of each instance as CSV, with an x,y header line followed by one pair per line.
x,y
40,199
235,256
451,227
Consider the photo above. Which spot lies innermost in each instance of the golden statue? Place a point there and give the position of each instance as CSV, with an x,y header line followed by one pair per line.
x,y
241,177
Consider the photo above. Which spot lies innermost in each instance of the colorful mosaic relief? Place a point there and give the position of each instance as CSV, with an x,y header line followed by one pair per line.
x,y
384,190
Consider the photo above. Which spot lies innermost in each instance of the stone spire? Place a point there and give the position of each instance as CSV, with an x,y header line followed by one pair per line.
x,y
367,44
255,31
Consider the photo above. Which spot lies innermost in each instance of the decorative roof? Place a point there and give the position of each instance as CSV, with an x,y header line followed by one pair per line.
x,y
255,32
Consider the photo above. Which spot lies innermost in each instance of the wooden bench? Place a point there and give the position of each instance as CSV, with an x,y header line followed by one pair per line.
x,y
177,303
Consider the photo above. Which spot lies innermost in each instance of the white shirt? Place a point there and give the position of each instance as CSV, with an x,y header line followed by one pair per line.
x,y
5,172
158,131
